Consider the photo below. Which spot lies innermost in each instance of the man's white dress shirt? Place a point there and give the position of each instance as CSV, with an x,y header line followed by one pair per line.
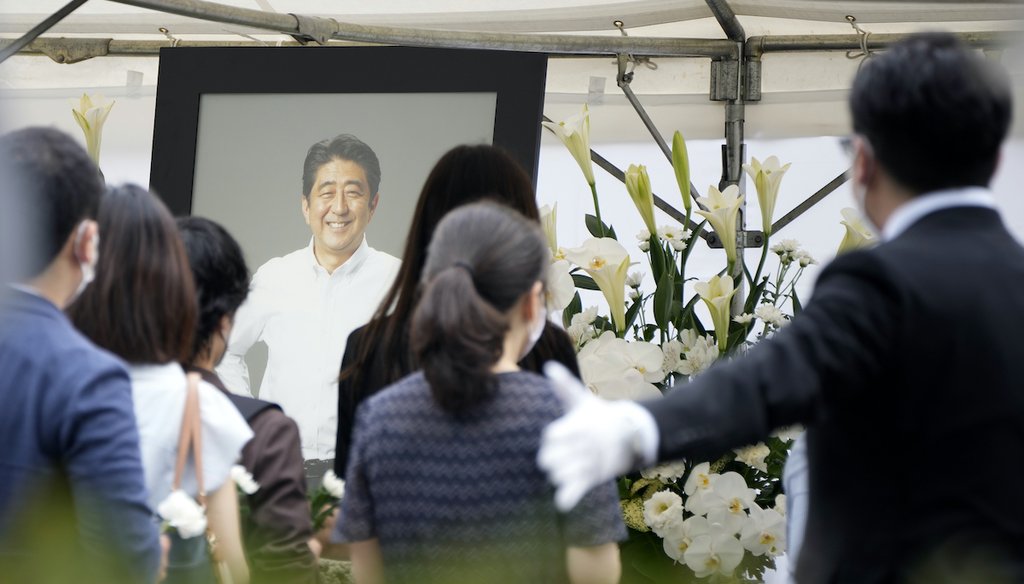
x,y
304,315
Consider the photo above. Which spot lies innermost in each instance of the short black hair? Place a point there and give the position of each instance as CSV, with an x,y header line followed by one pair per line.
x,y
220,274
934,112
59,185
345,147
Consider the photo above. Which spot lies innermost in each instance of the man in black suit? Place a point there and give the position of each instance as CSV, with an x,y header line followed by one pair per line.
x,y
907,366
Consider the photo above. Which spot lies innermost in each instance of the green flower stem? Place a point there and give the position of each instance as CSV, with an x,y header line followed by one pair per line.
x,y
597,209
760,265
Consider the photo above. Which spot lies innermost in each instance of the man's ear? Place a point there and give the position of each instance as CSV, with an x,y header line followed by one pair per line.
x,y
85,241
864,164
374,202
305,207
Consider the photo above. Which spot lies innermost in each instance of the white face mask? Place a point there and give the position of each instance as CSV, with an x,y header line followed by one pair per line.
x,y
88,267
536,329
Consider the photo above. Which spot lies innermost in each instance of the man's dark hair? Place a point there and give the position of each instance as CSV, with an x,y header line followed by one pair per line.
x,y
345,147
219,272
934,112
142,306
60,184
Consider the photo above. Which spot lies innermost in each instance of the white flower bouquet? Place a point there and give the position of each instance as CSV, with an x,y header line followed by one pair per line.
x,y
689,520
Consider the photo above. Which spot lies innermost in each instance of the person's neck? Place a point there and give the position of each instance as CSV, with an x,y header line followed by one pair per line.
x,y
889,197
54,284
509,360
329,260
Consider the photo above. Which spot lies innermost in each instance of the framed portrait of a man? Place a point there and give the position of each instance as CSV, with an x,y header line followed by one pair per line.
x,y
313,159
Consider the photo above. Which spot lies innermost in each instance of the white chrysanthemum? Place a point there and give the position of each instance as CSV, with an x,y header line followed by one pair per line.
x,y
669,471
673,235
679,538
700,356
765,532
786,246
710,554
743,318
634,279
243,479
673,355
585,317
643,235
183,513
753,456
770,314
644,246
334,485
688,337
678,245
804,258
634,294
663,511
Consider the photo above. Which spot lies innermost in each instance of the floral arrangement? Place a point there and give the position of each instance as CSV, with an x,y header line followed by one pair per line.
x,y
689,520
325,499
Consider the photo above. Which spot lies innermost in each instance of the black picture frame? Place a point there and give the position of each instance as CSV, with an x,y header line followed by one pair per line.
x,y
187,73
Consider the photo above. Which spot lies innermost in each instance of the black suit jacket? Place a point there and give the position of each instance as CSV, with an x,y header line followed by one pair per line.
x,y
908,368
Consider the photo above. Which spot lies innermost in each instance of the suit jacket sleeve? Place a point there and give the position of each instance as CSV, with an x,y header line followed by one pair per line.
x,y
831,351
280,524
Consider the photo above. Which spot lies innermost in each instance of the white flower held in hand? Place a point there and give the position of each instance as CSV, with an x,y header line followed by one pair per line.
x,y
334,485
243,479
183,513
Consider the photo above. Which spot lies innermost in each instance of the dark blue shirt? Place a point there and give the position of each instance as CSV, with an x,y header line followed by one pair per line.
x,y
67,425
461,499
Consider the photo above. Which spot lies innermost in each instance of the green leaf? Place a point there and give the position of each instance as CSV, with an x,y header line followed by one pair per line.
x,y
663,299
594,227
756,293
632,312
574,308
649,332
797,307
689,319
658,259
584,281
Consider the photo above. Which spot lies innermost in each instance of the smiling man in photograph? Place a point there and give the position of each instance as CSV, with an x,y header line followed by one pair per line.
x,y
304,305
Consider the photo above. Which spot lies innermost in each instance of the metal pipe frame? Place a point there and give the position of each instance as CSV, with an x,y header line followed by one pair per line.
x,y
39,29
756,46
727,20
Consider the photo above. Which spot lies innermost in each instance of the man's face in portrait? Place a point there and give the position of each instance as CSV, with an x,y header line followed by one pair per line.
x,y
339,206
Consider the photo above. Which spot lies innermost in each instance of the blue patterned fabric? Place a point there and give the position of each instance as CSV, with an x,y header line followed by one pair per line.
x,y
460,499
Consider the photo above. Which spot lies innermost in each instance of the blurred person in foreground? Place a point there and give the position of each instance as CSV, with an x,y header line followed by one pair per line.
x,y
142,308
277,531
906,366
73,499
442,484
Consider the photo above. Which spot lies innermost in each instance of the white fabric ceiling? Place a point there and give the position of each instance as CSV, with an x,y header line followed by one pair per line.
x,y
803,92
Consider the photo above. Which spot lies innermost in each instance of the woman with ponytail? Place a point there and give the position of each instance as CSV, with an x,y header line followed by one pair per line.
x,y
443,485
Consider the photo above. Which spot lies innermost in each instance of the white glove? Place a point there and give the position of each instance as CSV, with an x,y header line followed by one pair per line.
x,y
595,441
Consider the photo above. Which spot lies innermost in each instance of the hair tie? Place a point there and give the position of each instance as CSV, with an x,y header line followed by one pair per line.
x,y
464,266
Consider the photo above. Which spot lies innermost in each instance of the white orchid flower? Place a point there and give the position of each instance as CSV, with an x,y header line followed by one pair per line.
x,y
858,234
91,113
549,222
767,177
717,294
607,262
612,369
183,513
575,134
765,532
638,185
723,207
560,288
713,554
678,539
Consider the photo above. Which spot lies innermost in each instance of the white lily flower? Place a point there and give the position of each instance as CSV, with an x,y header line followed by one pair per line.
x,y
723,207
575,134
607,262
243,479
549,223
679,539
858,234
334,485
767,177
638,185
717,295
183,513
713,554
765,533
754,456
560,288
663,510
91,113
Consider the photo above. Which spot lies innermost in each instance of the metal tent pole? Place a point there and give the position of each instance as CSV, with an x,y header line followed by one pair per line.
x,y
39,29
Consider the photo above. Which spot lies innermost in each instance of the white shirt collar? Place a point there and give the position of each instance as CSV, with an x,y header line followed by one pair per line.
x,y
914,210
350,264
